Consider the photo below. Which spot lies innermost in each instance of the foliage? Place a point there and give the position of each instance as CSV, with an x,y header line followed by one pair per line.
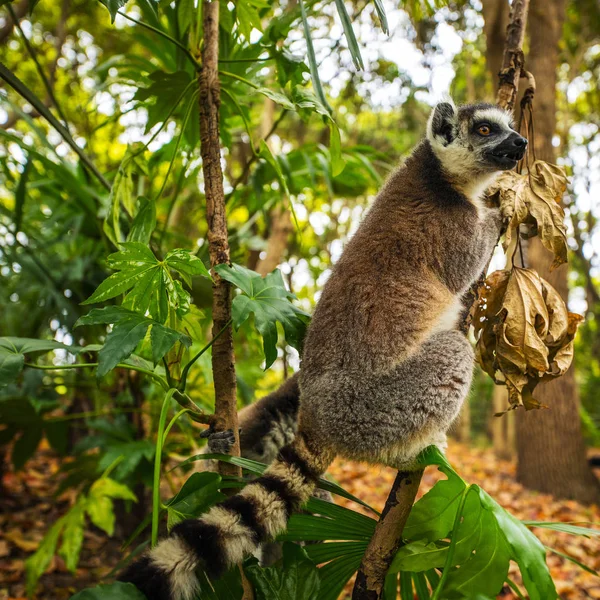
x,y
118,169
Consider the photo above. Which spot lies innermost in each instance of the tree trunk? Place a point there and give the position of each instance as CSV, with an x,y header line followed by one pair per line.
x,y
223,360
551,451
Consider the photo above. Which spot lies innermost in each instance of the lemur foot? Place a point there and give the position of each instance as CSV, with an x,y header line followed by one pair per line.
x,y
219,442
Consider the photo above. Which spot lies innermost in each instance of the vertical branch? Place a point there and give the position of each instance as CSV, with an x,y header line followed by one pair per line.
x,y
513,61
223,360
388,534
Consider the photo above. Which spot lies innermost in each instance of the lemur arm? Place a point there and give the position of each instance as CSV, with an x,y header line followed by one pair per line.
x,y
266,426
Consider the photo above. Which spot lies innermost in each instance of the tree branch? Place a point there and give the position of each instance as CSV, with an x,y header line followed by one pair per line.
x,y
388,534
223,360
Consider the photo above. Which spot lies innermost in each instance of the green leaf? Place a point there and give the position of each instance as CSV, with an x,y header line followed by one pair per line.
x,y
144,222
10,366
277,97
38,562
565,527
72,537
573,560
101,513
20,194
126,334
129,329
322,553
118,283
113,6
337,162
349,33
269,301
419,555
121,194
312,59
130,454
110,591
432,517
186,264
485,571
130,256
197,494
248,18
298,579
99,506
525,549
382,16
335,574
164,94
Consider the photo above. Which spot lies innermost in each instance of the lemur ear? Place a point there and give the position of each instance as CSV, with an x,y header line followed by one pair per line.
x,y
442,124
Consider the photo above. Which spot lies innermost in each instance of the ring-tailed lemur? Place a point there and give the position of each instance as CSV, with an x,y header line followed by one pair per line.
x,y
384,370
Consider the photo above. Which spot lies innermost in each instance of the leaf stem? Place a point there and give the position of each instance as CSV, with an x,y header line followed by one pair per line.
x,y
157,459
188,111
172,422
187,367
452,547
155,376
239,78
196,64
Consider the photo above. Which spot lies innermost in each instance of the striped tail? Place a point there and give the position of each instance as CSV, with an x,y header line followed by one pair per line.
x,y
232,530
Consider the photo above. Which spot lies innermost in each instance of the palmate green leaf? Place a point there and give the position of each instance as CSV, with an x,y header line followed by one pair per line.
x,y
165,92
297,579
152,286
269,301
129,329
113,6
119,283
99,503
114,591
72,536
248,17
335,574
186,264
144,222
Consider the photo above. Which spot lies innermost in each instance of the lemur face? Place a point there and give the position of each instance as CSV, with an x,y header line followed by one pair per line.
x,y
478,136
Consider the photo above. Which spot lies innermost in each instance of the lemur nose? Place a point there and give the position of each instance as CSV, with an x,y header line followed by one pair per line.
x,y
520,142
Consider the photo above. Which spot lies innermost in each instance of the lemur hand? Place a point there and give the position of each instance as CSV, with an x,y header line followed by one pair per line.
x,y
219,442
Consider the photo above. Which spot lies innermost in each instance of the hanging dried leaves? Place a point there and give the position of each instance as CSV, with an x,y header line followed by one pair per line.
x,y
524,332
534,200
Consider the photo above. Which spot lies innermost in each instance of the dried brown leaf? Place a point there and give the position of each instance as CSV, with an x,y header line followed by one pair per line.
x,y
524,333
534,200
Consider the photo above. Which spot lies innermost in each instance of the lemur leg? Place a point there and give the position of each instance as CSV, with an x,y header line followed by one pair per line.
x,y
391,418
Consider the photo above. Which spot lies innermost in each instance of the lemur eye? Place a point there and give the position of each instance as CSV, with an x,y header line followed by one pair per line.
x,y
484,130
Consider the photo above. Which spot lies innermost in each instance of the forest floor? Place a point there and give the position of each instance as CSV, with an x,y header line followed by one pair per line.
x,y
28,507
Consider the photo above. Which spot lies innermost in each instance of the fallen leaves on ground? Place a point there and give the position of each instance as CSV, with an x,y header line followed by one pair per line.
x,y
28,507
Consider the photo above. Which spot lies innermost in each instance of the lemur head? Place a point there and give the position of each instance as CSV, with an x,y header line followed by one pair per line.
x,y
474,141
